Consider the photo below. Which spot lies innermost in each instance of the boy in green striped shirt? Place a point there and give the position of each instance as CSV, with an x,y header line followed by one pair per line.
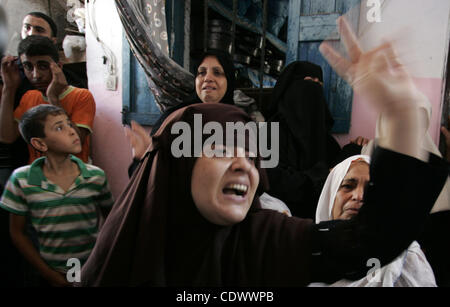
x,y
64,198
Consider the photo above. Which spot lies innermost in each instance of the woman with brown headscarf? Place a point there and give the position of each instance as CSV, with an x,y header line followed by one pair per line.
x,y
165,231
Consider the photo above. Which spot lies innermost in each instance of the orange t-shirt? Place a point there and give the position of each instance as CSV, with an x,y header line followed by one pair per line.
x,y
79,105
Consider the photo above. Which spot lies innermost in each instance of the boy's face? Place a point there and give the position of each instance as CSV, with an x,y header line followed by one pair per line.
x,y
37,70
60,135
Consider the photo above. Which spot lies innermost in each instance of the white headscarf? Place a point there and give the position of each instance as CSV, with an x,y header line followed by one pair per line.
x,y
329,191
410,269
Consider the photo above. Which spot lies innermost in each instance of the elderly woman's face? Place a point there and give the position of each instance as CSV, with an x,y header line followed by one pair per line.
x,y
211,82
349,197
223,188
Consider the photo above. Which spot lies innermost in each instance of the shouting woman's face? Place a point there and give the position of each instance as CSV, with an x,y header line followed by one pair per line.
x,y
223,188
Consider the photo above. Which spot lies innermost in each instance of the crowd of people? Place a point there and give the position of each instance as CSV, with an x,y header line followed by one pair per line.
x,y
219,218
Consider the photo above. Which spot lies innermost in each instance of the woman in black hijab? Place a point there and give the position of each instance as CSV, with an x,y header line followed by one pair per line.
x,y
221,63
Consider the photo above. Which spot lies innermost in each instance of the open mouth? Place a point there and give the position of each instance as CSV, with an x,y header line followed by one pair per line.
x,y
209,88
236,189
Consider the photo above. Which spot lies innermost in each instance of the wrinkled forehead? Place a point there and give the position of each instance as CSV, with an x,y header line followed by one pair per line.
x,y
358,166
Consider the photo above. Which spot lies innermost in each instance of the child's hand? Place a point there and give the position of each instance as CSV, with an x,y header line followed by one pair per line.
x,y
58,84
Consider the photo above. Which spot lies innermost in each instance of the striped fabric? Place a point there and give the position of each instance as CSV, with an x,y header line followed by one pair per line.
x,y
66,222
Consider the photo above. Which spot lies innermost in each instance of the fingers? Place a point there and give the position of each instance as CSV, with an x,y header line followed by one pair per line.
x,y
139,139
139,130
361,141
336,61
445,132
57,72
349,39
392,56
9,62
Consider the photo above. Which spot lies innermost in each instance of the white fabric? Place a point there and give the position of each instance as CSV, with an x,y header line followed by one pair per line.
x,y
272,203
410,269
443,201
331,186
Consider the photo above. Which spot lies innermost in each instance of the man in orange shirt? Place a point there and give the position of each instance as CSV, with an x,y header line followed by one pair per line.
x,y
40,61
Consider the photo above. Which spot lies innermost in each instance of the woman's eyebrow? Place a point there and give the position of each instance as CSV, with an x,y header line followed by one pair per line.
x,y
350,180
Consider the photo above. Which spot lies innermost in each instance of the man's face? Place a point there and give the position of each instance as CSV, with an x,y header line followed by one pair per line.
x,y
37,70
36,26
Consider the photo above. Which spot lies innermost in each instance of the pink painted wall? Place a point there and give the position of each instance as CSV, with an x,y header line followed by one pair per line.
x,y
110,148
364,118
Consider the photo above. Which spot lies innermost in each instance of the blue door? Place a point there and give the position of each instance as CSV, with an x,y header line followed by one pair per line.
x,y
311,22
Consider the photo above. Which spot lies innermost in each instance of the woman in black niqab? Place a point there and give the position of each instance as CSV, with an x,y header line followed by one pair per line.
x,y
307,148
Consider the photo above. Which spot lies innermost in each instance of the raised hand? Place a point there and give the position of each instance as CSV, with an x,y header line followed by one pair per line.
x,y
377,74
360,140
10,73
139,139
380,79
58,84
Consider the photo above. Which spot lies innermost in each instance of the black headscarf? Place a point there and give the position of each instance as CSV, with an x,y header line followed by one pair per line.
x,y
297,70
155,236
230,73
229,70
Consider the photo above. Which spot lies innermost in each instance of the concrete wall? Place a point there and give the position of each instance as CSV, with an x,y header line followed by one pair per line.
x,y
17,10
110,148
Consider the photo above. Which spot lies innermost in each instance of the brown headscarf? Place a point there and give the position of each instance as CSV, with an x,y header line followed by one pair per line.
x,y
155,236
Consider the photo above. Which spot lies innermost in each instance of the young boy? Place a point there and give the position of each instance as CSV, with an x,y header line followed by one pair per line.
x,y
42,68
64,197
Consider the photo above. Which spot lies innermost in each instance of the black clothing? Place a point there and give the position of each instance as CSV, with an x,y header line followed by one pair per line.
x,y
401,192
307,148
435,242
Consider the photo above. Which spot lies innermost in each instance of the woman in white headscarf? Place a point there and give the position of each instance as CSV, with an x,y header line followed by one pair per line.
x,y
341,198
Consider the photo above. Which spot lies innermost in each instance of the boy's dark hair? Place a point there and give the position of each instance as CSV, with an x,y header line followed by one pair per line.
x,y
36,45
33,121
48,19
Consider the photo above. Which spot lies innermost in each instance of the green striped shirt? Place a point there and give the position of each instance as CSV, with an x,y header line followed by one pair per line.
x,y
66,222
